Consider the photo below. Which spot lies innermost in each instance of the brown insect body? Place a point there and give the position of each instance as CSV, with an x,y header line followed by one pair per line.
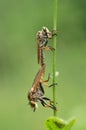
x,y
42,40
39,77
36,94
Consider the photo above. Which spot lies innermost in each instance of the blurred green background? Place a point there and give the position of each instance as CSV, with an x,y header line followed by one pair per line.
x,y
19,22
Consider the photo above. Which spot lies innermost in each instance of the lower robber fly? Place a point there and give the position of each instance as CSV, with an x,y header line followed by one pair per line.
x,y
36,94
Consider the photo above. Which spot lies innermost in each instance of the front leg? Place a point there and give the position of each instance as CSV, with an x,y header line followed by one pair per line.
x,y
54,33
48,48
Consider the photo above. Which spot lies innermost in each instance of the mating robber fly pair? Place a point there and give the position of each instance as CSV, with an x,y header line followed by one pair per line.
x,y
36,94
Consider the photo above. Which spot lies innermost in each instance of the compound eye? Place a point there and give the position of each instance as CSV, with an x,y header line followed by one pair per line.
x,y
33,105
44,28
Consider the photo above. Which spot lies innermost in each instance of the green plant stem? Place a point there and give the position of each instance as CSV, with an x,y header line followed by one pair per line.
x,y
54,52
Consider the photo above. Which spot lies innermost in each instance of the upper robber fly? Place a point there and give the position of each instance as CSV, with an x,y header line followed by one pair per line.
x,y
42,40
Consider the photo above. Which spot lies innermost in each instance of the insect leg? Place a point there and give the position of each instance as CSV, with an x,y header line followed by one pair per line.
x,y
52,84
54,32
50,103
47,105
47,78
48,48
47,85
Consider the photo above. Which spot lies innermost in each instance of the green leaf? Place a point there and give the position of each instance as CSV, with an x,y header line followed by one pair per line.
x,y
70,124
54,123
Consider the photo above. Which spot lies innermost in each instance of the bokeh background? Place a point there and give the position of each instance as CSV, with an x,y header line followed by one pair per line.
x,y
19,22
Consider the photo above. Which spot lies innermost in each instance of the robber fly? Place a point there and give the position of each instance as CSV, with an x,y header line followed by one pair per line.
x,y
42,40
36,94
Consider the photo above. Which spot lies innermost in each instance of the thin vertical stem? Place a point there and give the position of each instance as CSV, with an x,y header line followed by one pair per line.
x,y
54,52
